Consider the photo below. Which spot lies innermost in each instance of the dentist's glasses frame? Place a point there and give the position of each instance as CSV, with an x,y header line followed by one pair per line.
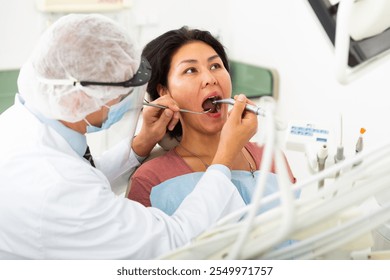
x,y
140,78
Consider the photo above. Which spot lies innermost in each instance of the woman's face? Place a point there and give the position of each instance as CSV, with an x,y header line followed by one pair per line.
x,y
197,74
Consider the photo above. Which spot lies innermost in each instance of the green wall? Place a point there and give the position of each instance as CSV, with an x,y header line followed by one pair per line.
x,y
253,81
8,88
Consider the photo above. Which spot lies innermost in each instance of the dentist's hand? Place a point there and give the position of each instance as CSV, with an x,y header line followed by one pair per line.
x,y
239,128
155,124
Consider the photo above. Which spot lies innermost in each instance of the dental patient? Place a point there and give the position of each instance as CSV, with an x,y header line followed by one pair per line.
x,y
191,66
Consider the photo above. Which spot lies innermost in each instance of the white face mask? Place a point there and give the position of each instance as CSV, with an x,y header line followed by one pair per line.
x,y
115,114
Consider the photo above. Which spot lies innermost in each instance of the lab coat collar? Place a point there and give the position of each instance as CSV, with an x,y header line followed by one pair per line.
x,y
76,140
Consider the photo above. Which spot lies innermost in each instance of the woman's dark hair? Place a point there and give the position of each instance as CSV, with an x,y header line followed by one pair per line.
x,y
159,53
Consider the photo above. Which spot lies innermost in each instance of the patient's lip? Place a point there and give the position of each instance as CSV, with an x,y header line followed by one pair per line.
x,y
212,94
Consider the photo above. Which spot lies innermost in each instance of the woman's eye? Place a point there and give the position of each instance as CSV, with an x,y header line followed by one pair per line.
x,y
190,70
215,66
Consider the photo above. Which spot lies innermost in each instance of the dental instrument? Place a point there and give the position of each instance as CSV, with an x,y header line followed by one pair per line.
x,y
340,149
146,103
359,143
249,107
322,155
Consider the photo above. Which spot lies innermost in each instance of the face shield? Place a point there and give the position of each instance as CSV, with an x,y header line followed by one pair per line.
x,y
123,128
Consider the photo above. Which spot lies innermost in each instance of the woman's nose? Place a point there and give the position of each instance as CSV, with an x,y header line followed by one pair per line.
x,y
208,79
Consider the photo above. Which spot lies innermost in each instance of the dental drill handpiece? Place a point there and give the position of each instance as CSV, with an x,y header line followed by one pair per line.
x,y
249,107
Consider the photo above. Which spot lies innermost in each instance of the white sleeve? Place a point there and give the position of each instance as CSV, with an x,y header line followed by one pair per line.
x,y
96,224
117,161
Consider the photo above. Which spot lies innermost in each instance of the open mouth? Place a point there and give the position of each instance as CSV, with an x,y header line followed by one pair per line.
x,y
211,107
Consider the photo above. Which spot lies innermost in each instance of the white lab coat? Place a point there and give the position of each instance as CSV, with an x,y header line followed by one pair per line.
x,y
54,205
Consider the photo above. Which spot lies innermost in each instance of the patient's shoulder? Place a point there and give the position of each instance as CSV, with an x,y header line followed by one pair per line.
x,y
254,148
255,151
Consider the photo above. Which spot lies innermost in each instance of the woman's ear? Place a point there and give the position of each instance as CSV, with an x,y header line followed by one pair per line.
x,y
161,90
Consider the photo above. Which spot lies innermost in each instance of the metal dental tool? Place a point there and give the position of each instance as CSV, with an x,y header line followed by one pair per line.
x,y
249,107
146,103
